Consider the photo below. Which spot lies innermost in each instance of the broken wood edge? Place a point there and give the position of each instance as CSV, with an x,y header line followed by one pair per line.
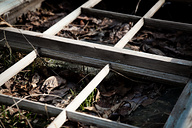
x,y
180,116
42,108
99,51
95,121
131,33
58,121
69,18
17,67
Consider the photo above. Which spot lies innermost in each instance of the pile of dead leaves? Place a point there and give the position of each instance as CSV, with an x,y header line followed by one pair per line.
x,y
116,100
161,42
108,31
40,20
43,86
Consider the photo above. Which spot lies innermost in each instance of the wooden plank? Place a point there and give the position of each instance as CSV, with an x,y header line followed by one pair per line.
x,y
88,89
129,70
181,114
103,52
95,121
154,9
151,22
69,18
32,106
169,25
42,108
113,15
17,67
58,121
129,35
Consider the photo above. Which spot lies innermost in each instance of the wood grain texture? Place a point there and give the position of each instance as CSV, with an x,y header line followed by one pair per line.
x,y
181,115
102,52
69,18
129,70
17,67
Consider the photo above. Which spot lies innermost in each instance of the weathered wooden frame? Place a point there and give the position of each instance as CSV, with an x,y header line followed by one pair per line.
x,y
178,71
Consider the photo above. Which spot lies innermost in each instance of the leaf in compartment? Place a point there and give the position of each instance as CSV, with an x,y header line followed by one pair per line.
x,y
149,49
51,83
35,80
8,84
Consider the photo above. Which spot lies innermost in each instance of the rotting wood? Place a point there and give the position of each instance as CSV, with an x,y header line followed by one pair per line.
x,y
69,18
181,114
96,121
129,35
17,67
103,52
58,121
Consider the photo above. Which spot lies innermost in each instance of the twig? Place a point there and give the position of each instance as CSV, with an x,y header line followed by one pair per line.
x,y
126,76
84,77
2,124
7,45
137,6
22,114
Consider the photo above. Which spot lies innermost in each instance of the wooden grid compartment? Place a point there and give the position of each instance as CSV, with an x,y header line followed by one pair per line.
x,y
158,68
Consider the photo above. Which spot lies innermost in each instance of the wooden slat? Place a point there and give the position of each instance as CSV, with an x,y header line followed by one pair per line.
x,y
92,12
169,25
17,67
58,121
88,89
102,52
95,121
145,74
181,114
154,9
29,105
129,35
69,18
42,108
151,22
